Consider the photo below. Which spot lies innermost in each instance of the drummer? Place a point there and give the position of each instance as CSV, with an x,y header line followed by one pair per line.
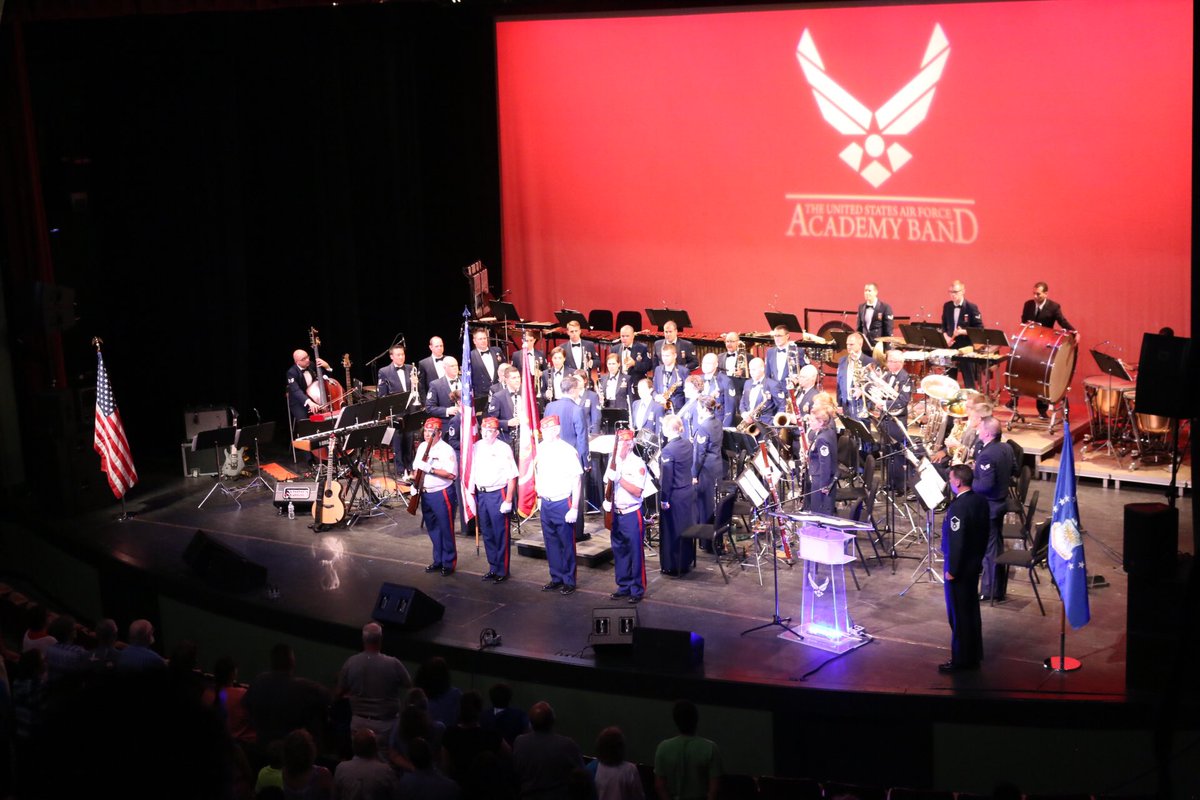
x,y
1044,311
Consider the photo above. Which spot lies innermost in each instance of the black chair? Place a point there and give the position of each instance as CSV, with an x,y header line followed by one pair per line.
x,y
600,320
631,318
1019,531
1018,491
1029,559
721,527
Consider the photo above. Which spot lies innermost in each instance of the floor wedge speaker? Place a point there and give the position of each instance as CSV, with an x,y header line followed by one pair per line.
x,y
406,607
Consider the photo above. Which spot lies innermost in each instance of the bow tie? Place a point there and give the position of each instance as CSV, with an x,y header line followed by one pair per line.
x,y
437,360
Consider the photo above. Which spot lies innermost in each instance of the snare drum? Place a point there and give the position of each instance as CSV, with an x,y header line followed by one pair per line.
x,y
1042,363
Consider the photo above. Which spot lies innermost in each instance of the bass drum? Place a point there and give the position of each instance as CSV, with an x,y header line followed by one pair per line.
x,y
1042,363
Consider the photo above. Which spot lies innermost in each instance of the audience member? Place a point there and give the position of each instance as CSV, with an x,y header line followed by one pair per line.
x,y
687,767
279,702
36,635
543,759
186,676
104,655
465,742
64,658
424,782
303,778
614,777
227,699
137,656
364,777
434,677
271,775
375,684
415,723
511,722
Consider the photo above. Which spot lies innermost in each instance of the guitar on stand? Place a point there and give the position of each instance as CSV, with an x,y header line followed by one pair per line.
x,y
328,510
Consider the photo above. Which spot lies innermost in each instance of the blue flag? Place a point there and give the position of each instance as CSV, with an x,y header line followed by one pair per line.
x,y
1066,542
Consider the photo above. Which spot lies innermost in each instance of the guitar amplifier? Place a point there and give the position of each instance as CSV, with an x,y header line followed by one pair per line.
x,y
197,465
300,493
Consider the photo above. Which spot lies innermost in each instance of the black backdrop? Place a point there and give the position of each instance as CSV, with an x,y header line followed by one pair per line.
x,y
216,183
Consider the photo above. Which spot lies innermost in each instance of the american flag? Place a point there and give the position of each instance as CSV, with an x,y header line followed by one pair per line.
x,y
110,441
467,427
527,499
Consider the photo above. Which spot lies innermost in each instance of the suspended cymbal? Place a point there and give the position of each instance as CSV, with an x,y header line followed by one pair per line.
x,y
940,387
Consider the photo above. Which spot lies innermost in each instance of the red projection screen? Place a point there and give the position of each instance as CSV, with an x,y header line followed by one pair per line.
x,y
685,160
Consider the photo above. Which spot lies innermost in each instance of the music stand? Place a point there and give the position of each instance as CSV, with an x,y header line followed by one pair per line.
x,y
504,312
256,434
218,439
364,441
660,316
923,334
1110,365
931,489
739,444
987,337
789,321
566,315
1114,368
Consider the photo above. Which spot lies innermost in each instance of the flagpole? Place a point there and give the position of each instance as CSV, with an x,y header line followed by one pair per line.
x,y
125,514
1061,662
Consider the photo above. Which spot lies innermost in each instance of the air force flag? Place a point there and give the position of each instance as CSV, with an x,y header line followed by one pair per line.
x,y
1066,542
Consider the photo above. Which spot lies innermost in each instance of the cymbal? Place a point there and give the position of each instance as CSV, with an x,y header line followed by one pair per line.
x,y
891,339
940,387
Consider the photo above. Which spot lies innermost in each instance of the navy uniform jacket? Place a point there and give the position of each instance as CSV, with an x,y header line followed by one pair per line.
x,y
428,372
297,388
588,347
437,402
1051,313
969,317
721,389
676,457
690,416
804,402
590,402
621,398
548,384
685,354
965,535
646,412
642,363
772,361
776,401
881,322
993,473
501,407
664,380
391,382
902,382
481,382
539,360
822,459
573,427
708,464
857,408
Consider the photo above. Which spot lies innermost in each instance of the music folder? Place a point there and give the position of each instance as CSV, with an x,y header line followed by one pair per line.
x,y
789,321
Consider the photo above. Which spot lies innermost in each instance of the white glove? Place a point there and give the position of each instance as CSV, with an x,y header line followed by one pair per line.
x,y
422,465
612,476
607,506
572,515
505,507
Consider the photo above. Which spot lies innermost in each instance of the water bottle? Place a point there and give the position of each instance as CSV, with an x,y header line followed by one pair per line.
x,y
291,510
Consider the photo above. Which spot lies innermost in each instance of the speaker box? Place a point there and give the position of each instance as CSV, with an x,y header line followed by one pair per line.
x,y
406,607
301,494
1162,375
664,648
1151,539
222,566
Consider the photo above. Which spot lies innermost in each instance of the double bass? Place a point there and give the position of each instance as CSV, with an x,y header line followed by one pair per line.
x,y
325,391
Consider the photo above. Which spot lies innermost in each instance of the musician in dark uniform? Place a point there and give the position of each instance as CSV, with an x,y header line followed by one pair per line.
x,y
485,364
668,378
734,364
646,413
958,314
529,339
807,390
634,357
822,461
993,474
589,401
964,539
581,354
685,353
675,555
397,379
504,405
875,318
893,420
849,391
1045,312
442,405
431,366
708,465
783,356
552,377
717,385
633,485
300,375
761,396
614,385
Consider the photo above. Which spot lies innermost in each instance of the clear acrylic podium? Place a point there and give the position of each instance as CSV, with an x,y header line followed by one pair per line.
x,y
824,618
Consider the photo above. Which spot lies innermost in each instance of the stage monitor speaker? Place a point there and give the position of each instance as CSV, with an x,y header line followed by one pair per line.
x,y
1151,539
222,566
664,648
1163,375
406,607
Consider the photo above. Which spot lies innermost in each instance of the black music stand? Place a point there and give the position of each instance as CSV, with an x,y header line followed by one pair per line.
x,y
504,312
264,431
364,441
218,439
1113,368
1110,365
789,321
987,337
566,315
740,445
611,418
660,316
923,334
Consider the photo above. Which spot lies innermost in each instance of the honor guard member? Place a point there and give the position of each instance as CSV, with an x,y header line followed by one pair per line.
x,y
875,318
505,405
850,389
822,461
761,396
439,498
580,354
807,389
614,385
432,366
552,378
780,356
993,474
668,379
1045,312
589,401
958,314
529,340
485,363
964,539
634,356
573,430
646,414
494,485
557,475
708,465
632,485
300,375
718,386
685,354
397,379
443,400
893,419
678,501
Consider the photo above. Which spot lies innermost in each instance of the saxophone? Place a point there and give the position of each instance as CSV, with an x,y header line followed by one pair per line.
x,y
750,423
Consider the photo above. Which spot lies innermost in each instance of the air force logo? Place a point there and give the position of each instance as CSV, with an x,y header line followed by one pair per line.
x,y
898,116
1064,538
